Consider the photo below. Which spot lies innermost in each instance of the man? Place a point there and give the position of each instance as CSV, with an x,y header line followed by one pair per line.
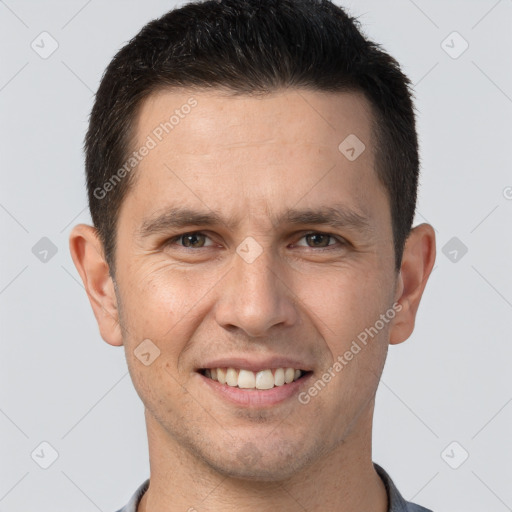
x,y
252,168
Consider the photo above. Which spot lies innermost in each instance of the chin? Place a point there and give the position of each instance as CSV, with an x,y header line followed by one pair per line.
x,y
262,463
263,473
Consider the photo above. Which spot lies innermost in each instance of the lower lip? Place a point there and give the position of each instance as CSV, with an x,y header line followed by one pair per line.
x,y
256,397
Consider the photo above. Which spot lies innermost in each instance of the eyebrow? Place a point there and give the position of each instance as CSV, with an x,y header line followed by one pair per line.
x,y
337,217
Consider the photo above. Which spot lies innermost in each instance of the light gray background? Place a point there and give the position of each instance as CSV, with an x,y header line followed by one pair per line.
x,y
62,384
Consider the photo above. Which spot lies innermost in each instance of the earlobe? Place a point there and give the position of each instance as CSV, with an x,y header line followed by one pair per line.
x,y
417,263
87,253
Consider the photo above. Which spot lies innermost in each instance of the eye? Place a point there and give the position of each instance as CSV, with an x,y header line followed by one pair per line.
x,y
320,240
194,240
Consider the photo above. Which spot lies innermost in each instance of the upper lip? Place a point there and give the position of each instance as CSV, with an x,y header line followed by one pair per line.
x,y
256,365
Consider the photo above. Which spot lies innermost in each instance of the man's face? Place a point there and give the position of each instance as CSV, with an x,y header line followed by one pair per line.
x,y
260,289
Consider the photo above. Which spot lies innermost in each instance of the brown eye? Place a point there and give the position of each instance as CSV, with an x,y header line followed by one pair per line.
x,y
318,239
195,240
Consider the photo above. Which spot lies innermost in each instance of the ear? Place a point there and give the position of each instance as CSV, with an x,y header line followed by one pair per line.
x,y
87,253
417,262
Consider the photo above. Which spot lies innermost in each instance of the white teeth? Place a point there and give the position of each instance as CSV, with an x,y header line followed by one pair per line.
x,y
246,379
264,379
221,375
289,375
231,377
279,377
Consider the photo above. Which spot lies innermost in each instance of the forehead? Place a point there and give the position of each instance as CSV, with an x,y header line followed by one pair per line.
x,y
254,153
198,120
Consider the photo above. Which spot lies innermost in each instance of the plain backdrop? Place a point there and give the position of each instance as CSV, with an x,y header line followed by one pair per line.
x,y
444,413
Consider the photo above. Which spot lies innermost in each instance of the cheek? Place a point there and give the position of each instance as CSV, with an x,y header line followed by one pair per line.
x,y
165,305
356,354
160,297
356,339
347,305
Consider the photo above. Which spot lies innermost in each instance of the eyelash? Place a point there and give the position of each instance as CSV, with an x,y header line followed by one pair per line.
x,y
340,240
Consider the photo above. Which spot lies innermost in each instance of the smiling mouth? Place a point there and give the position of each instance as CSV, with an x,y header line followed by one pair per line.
x,y
246,379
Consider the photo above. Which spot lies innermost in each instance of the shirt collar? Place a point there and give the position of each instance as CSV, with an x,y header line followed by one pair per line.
x,y
396,502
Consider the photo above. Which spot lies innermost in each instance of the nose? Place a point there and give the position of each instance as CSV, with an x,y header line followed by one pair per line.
x,y
255,297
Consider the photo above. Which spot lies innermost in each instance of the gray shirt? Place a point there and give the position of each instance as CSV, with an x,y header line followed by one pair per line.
x,y
396,502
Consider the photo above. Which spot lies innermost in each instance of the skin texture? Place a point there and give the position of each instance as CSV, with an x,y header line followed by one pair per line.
x,y
250,159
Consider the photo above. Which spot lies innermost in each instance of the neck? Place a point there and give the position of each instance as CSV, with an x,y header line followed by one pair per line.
x,y
343,479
